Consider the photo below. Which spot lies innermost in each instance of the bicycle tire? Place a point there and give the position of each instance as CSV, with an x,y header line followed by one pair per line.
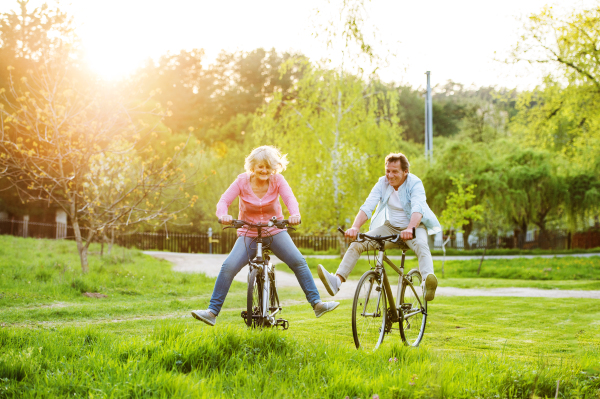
x,y
369,331
273,294
413,308
254,300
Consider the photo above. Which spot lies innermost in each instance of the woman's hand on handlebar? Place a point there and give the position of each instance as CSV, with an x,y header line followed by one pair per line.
x,y
225,219
294,220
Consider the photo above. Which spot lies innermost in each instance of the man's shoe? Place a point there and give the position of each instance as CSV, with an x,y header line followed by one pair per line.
x,y
323,307
205,316
429,287
331,282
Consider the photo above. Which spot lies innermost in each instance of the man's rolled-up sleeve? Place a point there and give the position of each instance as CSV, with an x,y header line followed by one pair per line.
x,y
372,200
418,200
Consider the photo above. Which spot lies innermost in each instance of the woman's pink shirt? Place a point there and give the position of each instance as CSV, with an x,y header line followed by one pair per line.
x,y
258,210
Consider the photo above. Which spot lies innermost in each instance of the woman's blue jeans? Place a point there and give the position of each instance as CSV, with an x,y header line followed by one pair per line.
x,y
245,247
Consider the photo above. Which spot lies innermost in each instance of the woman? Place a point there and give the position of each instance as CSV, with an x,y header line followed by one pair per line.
x,y
259,190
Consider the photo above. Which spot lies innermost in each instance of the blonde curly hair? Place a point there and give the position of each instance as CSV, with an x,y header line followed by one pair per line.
x,y
268,154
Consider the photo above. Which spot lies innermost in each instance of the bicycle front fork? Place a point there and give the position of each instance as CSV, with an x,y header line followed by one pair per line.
x,y
266,290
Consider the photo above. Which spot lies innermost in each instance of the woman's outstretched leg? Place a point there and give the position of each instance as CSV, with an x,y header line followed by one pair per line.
x,y
237,259
285,249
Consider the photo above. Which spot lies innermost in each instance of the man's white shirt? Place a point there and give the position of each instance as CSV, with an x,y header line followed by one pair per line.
x,y
397,216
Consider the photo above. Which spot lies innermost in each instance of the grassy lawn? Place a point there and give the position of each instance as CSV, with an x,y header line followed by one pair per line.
x,y
141,342
473,252
549,273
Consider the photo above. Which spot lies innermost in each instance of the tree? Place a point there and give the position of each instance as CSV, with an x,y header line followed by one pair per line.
x,y
27,35
34,34
583,199
563,113
471,163
77,145
459,211
210,96
532,189
336,137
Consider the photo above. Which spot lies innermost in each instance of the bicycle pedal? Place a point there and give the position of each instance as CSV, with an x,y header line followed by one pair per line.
x,y
284,324
244,313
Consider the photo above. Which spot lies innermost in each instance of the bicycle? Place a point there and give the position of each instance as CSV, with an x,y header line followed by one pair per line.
x,y
262,299
371,317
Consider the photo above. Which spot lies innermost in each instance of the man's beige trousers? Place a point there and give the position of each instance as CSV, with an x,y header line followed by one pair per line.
x,y
419,245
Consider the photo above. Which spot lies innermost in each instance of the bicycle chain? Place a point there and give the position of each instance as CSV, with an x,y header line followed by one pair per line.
x,y
388,321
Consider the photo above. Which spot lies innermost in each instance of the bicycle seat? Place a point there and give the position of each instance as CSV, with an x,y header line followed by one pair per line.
x,y
402,245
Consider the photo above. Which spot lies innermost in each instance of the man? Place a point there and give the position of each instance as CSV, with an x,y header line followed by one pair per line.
x,y
401,205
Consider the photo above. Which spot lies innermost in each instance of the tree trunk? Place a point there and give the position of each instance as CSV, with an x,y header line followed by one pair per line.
x,y
522,234
481,261
468,228
335,161
543,239
112,240
81,249
84,259
343,246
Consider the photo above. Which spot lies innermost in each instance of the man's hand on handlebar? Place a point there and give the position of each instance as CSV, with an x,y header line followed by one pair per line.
x,y
294,220
407,234
225,219
352,232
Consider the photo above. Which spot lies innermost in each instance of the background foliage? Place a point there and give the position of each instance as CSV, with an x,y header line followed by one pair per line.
x,y
533,156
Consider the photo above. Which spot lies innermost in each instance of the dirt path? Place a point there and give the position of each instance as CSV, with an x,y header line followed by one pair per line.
x,y
211,264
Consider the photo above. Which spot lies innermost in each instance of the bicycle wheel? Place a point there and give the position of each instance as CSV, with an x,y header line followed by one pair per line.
x,y
369,312
254,300
414,309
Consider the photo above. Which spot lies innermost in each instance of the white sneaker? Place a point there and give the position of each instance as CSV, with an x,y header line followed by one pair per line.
x,y
323,307
331,282
205,316
429,286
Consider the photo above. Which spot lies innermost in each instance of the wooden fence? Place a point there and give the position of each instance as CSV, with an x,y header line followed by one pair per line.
x,y
223,242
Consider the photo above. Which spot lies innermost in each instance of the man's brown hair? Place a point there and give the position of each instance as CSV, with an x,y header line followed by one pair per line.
x,y
398,157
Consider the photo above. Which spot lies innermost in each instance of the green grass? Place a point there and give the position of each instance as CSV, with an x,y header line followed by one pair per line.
x,y
506,251
310,251
472,252
515,348
42,280
534,270
504,283
142,342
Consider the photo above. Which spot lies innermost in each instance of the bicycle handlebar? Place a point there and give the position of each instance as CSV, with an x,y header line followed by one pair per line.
x,y
392,238
274,222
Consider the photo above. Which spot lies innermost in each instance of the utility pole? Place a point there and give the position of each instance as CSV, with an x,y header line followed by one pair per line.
x,y
428,121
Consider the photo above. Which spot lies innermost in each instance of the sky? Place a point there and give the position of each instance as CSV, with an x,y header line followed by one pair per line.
x,y
459,40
